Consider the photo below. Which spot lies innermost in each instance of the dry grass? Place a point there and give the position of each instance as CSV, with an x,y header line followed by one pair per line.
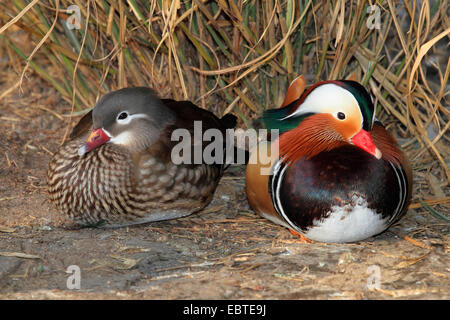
x,y
239,55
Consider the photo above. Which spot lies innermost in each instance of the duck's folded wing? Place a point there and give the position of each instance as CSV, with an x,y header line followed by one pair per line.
x,y
400,165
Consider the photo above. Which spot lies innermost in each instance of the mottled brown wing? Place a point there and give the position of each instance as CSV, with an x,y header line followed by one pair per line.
x,y
187,114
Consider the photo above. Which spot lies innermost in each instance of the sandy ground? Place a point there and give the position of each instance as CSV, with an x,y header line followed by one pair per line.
x,y
224,252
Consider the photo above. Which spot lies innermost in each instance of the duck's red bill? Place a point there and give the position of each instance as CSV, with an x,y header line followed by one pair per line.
x,y
364,140
95,139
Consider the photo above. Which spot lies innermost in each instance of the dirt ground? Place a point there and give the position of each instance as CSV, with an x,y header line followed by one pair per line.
x,y
224,252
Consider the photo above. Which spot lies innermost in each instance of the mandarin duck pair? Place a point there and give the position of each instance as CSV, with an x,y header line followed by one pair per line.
x,y
338,176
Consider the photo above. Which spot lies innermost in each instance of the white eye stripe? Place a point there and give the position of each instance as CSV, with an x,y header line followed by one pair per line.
x,y
130,117
328,98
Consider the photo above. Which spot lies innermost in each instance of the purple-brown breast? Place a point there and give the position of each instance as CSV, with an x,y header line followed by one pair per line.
x,y
332,178
312,185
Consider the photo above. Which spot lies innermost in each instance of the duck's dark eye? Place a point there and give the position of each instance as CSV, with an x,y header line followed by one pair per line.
x,y
341,115
122,115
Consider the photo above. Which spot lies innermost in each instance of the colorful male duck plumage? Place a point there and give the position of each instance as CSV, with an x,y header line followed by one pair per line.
x,y
337,175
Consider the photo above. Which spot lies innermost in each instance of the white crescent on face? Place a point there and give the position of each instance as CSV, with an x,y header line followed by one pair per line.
x,y
330,98
124,138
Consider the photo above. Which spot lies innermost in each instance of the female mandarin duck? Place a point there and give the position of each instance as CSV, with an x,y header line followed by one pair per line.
x,y
340,176
117,169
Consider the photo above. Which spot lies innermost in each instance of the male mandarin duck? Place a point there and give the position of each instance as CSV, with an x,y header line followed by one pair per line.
x,y
336,174
116,168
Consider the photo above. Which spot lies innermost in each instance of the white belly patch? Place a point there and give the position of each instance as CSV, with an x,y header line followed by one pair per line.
x,y
348,223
